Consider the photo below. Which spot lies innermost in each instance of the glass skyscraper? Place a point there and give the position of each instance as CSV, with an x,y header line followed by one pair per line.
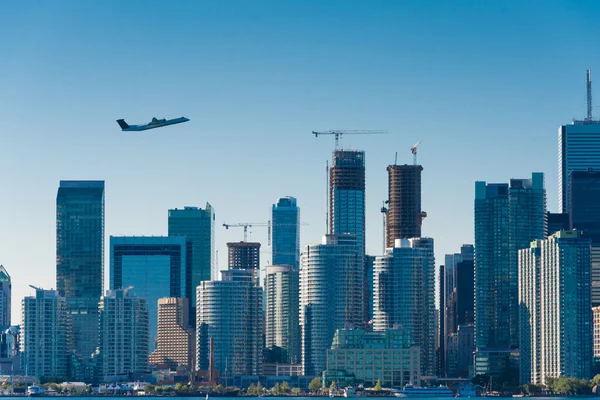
x,y
198,227
5,297
285,222
80,263
155,266
584,215
347,195
507,219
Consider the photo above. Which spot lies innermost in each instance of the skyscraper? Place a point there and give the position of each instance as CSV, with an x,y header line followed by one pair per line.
x,y
282,323
80,263
584,215
507,219
331,295
404,215
44,326
198,227
404,294
286,232
5,297
124,327
556,312
176,340
347,195
578,149
245,255
154,265
230,313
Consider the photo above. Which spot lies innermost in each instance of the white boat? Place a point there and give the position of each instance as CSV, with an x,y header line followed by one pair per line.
x,y
349,392
35,391
433,391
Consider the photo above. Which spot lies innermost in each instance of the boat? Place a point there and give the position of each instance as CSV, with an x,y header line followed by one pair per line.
x,y
35,391
519,395
466,389
433,391
349,392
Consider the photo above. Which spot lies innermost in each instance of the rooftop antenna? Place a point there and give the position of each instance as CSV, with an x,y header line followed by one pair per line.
x,y
589,94
396,159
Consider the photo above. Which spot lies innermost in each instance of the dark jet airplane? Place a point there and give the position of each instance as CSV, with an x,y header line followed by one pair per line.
x,y
155,123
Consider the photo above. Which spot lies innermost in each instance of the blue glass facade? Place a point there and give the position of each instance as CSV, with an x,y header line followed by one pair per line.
x,y
154,266
198,227
80,263
286,232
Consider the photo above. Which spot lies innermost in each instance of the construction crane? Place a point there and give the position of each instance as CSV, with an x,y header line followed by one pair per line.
x,y
414,151
339,133
247,225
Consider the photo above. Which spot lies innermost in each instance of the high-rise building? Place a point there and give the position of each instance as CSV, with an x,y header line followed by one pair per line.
x,y
229,312
347,195
198,227
154,265
557,222
596,346
507,219
80,264
584,215
176,340
331,295
465,348
286,232
555,304
282,320
124,328
578,150
404,215
44,326
10,352
5,297
245,256
404,294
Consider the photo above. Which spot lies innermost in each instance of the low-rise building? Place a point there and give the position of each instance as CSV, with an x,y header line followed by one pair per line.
x,y
371,356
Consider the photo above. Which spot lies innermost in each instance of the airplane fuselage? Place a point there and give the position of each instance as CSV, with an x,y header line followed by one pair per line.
x,y
155,123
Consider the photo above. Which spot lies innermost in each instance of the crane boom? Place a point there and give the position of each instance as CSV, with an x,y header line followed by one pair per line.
x,y
339,133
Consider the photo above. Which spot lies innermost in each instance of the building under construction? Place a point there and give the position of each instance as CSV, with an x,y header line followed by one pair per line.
x,y
403,215
347,195
244,255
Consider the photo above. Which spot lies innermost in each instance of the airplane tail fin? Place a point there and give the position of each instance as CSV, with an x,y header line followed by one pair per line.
x,y
123,124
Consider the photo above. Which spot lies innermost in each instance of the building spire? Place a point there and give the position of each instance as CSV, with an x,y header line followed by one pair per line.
x,y
589,95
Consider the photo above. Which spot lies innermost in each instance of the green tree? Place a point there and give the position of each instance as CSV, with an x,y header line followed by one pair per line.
x,y
332,385
296,390
259,388
378,386
531,388
276,388
285,387
595,380
315,384
251,389
149,389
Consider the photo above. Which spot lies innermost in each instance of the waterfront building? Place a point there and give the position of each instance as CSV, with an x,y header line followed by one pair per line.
x,y
5,297
230,314
404,294
282,305
176,340
507,218
10,352
386,356
80,265
555,302
596,330
123,323
286,232
404,215
331,295
44,326
155,266
198,227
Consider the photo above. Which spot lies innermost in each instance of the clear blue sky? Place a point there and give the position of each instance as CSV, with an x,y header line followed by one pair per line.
x,y
484,85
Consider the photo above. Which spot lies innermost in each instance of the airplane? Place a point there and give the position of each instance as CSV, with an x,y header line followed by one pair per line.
x,y
155,123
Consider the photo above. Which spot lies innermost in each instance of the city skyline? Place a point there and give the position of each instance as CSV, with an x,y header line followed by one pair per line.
x,y
494,110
